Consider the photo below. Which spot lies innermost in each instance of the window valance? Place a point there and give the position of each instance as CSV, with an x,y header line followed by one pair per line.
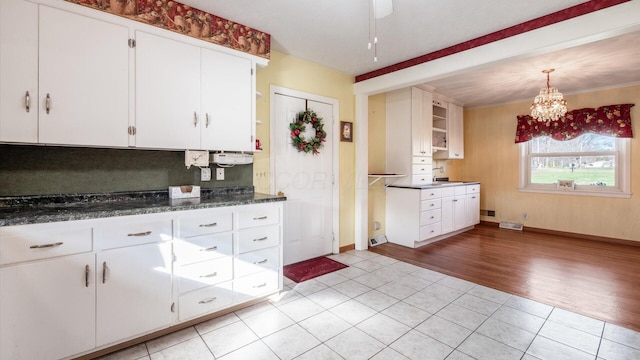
x,y
610,120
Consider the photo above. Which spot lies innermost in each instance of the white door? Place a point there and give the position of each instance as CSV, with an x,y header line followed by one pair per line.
x,y
84,80
306,180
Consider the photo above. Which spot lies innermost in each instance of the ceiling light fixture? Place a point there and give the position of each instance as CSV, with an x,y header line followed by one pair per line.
x,y
549,104
377,10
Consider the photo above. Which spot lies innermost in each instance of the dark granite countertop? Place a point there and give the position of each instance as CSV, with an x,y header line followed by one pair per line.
x,y
20,210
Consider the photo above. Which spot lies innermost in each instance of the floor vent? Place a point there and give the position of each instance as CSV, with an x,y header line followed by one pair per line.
x,y
377,240
491,213
511,225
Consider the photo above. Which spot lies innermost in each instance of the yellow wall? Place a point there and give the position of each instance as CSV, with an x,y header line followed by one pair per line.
x,y
491,157
377,159
293,73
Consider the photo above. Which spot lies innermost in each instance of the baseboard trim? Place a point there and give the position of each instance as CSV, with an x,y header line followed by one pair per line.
x,y
347,248
569,234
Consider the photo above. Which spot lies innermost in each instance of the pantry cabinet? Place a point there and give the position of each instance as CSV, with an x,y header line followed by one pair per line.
x,y
189,97
18,71
83,80
408,114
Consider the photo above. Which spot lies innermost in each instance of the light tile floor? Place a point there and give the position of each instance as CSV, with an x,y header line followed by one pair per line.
x,y
380,308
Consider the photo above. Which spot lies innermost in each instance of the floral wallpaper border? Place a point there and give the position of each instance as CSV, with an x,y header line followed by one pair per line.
x,y
187,20
610,120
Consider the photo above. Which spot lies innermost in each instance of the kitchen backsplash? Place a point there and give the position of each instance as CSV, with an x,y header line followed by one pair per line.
x,y
41,170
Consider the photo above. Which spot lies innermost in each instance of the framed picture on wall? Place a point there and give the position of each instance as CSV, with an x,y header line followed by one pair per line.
x,y
346,131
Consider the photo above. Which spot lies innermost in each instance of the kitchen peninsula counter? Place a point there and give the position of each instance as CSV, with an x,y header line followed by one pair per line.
x,y
21,210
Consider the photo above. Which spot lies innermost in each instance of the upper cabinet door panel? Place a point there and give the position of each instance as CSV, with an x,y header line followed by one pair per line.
x,y
84,77
18,71
167,93
226,102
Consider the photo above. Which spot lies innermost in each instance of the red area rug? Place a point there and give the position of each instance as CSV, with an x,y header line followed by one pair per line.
x,y
310,269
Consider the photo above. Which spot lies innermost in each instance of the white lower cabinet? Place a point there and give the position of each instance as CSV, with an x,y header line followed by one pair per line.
x,y
416,217
47,308
73,287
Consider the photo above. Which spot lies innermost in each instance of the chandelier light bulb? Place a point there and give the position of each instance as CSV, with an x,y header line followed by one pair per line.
x,y
549,105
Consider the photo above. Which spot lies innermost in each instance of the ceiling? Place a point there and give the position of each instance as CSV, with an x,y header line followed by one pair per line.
x,y
335,33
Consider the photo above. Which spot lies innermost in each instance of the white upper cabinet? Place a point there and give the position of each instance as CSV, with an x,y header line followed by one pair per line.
x,y
420,122
454,148
83,80
227,100
18,71
167,93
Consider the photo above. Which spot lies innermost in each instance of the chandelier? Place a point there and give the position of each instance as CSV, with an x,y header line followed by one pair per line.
x,y
549,104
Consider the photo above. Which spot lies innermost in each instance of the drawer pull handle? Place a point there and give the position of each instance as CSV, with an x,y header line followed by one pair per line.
x,y
146,233
259,286
213,248
105,268
432,205
45,245
261,239
261,261
455,200
260,218
86,276
432,217
209,225
473,197
206,301
209,275
27,101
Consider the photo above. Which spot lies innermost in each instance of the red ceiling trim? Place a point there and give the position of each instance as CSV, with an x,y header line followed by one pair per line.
x,y
556,17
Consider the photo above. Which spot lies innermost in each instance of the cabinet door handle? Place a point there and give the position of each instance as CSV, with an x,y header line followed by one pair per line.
x,y
146,233
45,245
432,205
260,262
260,218
208,225
206,301
47,103
86,275
214,274
105,268
259,286
213,248
27,101
195,119
261,239
206,115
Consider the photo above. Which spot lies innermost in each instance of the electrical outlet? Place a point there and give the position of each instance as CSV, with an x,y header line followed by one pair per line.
x,y
525,216
205,174
220,174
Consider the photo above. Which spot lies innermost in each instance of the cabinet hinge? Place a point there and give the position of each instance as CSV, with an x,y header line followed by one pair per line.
x,y
131,130
173,307
132,43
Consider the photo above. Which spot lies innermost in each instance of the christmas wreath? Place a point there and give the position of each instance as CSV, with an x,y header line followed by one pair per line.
x,y
298,127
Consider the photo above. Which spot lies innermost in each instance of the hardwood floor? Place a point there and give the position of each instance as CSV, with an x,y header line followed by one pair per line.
x,y
593,278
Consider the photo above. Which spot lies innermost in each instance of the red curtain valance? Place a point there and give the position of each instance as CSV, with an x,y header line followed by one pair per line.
x,y
611,120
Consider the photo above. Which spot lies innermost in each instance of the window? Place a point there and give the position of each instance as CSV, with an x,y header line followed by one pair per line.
x,y
593,164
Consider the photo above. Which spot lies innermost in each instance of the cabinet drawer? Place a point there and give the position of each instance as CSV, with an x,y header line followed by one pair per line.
x,y
430,217
255,285
256,261
419,180
132,230
473,189
460,190
258,216
198,275
202,222
429,231
421,169
428,194
41,241
422,160
203,301
258,238
426,205
201,248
